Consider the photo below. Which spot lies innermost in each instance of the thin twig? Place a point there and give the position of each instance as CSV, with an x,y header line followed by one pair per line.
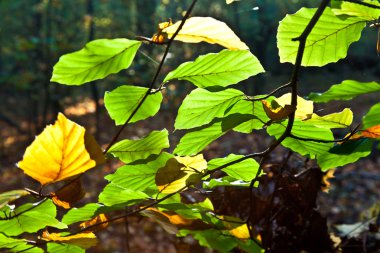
x,y
185,17
271,93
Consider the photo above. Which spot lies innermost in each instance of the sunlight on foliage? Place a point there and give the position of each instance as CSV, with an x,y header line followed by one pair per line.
x,y
83,240
206,29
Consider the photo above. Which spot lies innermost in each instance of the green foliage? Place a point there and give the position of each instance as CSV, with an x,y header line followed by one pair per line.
x,y
132,150
372,118
346,90
341,119
221,69
29,218
64,248
323,45
340,7
122,101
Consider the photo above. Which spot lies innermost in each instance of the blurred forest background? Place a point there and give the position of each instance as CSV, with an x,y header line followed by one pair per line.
x,y
35,33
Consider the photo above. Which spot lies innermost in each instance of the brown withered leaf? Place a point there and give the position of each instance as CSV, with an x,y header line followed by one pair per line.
x,y
101,219
69,194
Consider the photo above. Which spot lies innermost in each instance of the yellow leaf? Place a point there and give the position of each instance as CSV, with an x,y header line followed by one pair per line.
x,y
180,172
304,107
60,152
371,132
83,240
68,194
206,29
240,232
326,185
101,219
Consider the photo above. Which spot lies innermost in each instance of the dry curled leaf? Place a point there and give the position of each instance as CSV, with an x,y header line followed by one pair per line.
x,y
100,221
69,194
83,240
61,151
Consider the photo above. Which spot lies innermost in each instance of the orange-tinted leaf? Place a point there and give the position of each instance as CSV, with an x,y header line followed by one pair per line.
x,y
83,240
171,221
372,132
276,112
69,194
160,37
206,29
101,219
326,185
304,107
59,152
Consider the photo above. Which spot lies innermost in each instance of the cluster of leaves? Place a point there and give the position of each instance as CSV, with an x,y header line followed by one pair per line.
x,y
152,182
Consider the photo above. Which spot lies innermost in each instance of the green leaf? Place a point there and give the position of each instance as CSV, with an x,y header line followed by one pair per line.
x,y
17,245
358,10
122,101
346,90
133,150
137,177
9,196
346,153
30,218
372,118
222,69
323,45
84,213
245,170
300,129
212,238
98,59
257,118
114,194
201,106
225,181
64,248
341,119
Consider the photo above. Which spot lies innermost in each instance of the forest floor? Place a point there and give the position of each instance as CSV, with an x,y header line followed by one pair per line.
x,y
354,188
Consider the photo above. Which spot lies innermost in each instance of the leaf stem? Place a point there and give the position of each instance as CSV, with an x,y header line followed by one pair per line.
x,y
185,17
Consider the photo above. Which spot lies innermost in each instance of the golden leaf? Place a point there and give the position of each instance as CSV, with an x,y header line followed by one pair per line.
x,y
101,219
83,240
180,172
60,152
68,194
206,29
240,232
326,185
371,132
160,37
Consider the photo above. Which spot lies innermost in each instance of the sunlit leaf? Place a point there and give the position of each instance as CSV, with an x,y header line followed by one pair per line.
x,y
58,153
83,240
225,181
346,90
63,248
206,29
245,170
240,232
371,132
98,59
221,69
372,118
341,119
340,7
17,245
133,150
30,218
201,106
304,107
114,194
81,214
123,100
69,194
180,172
303,130
9,196
346,153
326,184
323,45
